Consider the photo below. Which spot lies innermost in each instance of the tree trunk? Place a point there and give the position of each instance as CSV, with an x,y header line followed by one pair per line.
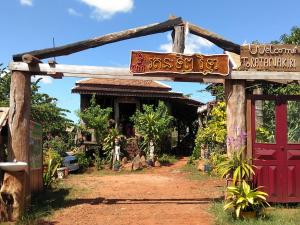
x,y
178,36
236,115
16,184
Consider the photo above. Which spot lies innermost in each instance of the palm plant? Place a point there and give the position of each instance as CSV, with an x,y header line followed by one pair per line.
x,y
109,142
152,124
242,198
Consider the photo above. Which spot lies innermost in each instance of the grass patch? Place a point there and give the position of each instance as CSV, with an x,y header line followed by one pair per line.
x,y
166,159
194,174
44,204
277,215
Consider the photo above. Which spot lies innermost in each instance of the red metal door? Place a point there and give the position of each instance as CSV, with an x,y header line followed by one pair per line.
x,y
276,146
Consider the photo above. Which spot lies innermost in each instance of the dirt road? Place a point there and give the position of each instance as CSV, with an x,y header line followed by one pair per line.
x,y
159,196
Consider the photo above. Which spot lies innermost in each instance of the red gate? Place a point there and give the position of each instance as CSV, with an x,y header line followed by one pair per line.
x,y
276,146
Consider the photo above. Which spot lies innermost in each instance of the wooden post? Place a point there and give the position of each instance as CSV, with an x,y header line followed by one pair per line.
x,y
258,107
178,36
16,185
249,127
236,114
116,113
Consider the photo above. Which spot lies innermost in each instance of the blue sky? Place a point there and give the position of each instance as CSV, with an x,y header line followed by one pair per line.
x,y
31,24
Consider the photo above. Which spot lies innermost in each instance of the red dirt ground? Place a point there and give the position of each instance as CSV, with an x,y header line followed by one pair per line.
x,y
159,196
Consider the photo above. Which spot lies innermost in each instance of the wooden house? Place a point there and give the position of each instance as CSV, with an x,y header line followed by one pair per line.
x,y
126,96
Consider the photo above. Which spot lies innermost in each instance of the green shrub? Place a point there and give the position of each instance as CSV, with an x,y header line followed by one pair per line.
x,y
242,198
216,158
83,160
57,144
167,159
236,166
99,163
96,118
213,135
51,154
152,124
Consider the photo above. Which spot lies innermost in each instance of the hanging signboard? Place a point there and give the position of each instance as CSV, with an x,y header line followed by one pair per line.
x,y
281,58
174,63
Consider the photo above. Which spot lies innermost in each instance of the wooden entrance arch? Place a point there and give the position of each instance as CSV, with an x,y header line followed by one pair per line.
x,y
26,64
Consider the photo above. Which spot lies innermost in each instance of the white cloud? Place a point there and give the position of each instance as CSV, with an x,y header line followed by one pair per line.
x,y
105,9
73,12
193,44
26,2
45,79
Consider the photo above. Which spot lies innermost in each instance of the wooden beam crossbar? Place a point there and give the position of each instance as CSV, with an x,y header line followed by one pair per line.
x,y
171,24
214,38
102,40
124,73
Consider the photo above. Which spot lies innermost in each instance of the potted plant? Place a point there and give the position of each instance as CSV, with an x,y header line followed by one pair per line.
x,y
235,168
245,201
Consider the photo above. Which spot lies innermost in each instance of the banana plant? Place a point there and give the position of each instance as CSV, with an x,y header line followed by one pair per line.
x,y
243,198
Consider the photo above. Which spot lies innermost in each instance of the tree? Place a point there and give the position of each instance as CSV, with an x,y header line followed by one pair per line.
x,y
213,135
292,38
152,124
94,117
216,90
44,109
4,86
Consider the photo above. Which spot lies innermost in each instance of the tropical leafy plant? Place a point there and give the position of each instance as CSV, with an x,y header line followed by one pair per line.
x,y
96,118
49,174
236,166
99,163
217,158
243,198
152,124
51,154
109,143
166,159
83,160
213,135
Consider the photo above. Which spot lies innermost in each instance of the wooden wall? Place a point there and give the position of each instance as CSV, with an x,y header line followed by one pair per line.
x,y
36,180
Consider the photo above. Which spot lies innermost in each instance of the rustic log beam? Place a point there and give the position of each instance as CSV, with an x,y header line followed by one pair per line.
x,y
103,40
30,59
264,75
178,36
214,38
17,184
235,97
124,73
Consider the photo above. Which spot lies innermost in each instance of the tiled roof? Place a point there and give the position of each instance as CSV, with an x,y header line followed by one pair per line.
x,y
125,87
107,82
